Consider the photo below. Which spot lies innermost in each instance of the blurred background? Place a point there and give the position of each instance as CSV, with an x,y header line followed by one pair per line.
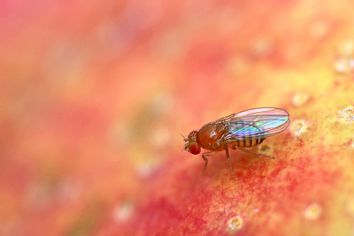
x,y
96,94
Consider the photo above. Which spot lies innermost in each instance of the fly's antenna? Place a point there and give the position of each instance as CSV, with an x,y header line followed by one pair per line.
x,y
184,138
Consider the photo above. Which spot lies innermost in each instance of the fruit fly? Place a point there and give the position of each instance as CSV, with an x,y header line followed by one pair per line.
x,y
237,131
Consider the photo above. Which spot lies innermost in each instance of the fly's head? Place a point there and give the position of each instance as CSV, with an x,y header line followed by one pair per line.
x,y
191,145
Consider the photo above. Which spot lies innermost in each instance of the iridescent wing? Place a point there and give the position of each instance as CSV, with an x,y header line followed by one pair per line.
x,y
256,123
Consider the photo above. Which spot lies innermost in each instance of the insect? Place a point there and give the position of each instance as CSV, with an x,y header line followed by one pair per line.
x,y
237,131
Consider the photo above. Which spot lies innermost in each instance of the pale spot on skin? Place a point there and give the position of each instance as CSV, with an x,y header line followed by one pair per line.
x,y
346,48
261,47
239,65
123,211
313,211
160,137
350,207
144,170
299,127
319,29
234,224
344,65
346,115
300,99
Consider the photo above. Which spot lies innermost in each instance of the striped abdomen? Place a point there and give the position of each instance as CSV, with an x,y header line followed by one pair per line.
x,y
248,142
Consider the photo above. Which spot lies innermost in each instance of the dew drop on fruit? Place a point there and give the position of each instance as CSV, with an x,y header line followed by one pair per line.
x,y
123,211
299,127
313,211
234,224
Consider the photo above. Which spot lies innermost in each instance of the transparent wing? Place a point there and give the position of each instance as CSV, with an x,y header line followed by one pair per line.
x,y
258,122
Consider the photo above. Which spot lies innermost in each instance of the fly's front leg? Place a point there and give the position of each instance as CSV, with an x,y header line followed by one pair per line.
x,y
205,158
205,161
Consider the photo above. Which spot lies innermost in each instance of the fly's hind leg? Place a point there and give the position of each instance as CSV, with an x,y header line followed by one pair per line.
x,y
227,153
228,156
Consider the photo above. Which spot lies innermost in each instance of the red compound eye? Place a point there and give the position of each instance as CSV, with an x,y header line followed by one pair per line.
x,y
194,149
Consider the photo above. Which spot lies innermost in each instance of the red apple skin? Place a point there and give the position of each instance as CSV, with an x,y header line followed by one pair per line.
x,y
95,96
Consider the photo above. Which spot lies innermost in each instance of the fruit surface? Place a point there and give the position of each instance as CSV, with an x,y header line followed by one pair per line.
x,y
94,97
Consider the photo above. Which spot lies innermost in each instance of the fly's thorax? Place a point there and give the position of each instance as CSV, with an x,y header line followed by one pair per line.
x,y
211,135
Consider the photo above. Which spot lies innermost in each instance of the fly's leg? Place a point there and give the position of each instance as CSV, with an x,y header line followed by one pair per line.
x,y
228,156
227,153
205,158
253,153
205,161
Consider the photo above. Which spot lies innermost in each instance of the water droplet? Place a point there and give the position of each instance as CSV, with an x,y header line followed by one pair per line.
x,y
299,127
300,99
234,224
123,211
313,211
346,115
